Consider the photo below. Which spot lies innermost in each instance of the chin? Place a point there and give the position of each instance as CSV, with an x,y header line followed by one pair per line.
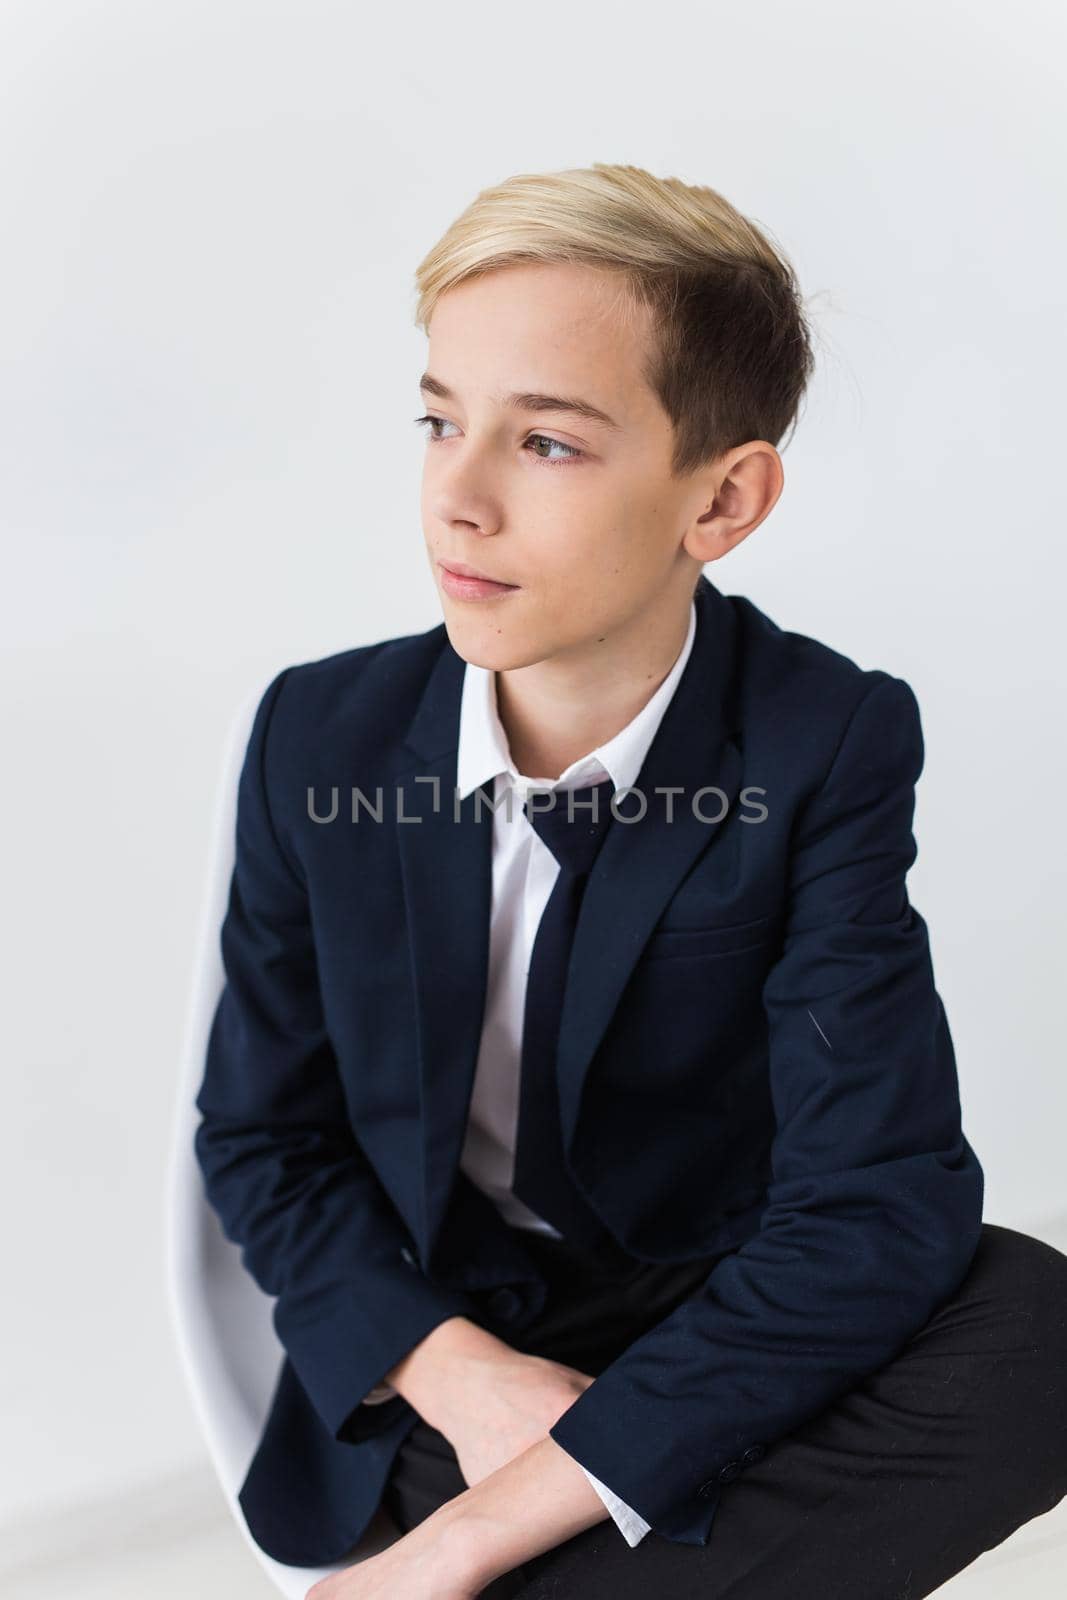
x,y
481,645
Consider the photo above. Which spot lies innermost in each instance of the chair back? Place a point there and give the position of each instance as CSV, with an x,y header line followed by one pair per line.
x,y
229,1350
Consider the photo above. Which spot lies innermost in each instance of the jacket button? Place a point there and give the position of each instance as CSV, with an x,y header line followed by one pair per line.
x,y
408,1257
504,1302
755,1452
729,1472
707,1489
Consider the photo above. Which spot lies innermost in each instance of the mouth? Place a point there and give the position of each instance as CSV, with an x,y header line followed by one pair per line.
x,y
464,582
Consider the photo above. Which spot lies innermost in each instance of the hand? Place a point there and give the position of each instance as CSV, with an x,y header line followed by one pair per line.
x,y
498,1403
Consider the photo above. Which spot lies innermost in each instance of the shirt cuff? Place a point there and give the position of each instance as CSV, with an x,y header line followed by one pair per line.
x,y
380,1392
632,1527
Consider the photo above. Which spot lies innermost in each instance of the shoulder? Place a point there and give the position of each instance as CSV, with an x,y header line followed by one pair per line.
x,y
795,693
357,699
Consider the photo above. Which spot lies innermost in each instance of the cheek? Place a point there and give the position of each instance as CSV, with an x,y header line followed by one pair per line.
x,y
598,517
593,555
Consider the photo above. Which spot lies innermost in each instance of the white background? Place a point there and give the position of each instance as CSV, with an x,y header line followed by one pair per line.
x,y
211,215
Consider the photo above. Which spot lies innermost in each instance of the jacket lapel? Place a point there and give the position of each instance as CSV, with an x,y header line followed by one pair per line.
x,y
446,864
641,863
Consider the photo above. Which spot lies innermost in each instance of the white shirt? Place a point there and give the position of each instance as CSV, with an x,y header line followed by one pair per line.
x,y
524,871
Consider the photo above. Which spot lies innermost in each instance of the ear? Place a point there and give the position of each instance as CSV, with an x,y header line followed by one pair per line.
x,y
744,490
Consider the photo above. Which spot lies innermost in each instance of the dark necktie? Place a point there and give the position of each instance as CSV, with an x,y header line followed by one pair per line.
x,y
541,1178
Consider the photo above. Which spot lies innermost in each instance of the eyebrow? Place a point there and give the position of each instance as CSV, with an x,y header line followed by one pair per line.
x,y
522,400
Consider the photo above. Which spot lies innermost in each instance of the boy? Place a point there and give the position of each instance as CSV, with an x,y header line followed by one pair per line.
x,y
580,1087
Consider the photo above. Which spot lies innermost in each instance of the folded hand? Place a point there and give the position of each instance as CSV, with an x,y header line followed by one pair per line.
x,y
495,1408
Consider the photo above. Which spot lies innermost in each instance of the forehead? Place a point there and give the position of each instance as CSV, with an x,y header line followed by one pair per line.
x,y
556,327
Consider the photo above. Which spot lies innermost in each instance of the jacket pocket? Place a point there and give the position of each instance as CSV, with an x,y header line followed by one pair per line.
x,y
726,939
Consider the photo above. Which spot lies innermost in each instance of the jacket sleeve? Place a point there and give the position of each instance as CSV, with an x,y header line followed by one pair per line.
x,y
874,1203
280,1163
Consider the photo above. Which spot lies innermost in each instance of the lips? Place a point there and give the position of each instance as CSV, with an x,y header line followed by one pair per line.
x,y
463,586
462,569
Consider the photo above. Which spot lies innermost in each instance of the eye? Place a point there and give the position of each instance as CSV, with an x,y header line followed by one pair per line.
x,y
569,451
429,423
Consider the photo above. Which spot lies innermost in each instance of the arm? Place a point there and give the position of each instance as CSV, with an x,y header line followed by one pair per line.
x,y
531,1504
478,1535
874,1205
632,1527
281,1166
460,1369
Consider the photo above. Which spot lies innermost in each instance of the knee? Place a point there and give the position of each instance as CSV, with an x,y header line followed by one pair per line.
x,y
1020,1316
1038,1279
1025,1282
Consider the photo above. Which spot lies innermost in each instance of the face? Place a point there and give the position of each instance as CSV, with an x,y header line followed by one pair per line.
x,y
579,514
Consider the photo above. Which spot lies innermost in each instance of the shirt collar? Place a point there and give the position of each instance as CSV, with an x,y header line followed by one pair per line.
x,y
483,751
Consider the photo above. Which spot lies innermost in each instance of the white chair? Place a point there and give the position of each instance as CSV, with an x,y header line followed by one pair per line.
x,y
228,1347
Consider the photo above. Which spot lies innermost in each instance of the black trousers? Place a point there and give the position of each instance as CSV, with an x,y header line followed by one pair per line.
x,y
938,1456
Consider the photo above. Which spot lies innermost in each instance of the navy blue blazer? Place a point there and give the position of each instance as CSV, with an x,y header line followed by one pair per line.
x,y
754,1065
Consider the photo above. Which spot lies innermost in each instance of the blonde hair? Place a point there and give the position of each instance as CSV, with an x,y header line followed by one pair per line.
x,y
732,353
